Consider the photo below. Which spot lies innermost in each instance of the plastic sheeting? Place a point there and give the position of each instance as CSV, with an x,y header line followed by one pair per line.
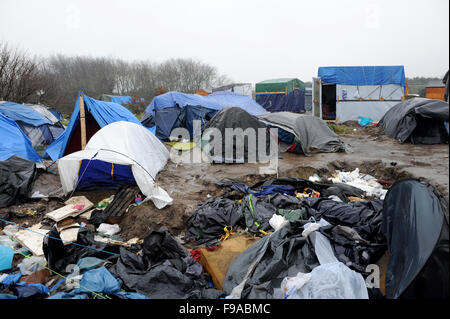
x,y
23,113
104,113
313,133
292,102
415,223
17,177
418,120
163,270
123,143
327,281
256,272
351,110
363,75
14,142
208,220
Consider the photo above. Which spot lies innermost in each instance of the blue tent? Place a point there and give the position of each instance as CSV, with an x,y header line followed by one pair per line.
x,y
175,109
22,113
363,75
97,115
14,142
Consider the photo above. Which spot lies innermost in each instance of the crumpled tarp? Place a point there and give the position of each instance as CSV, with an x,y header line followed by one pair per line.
x,y
163,270
208,220
17,176
256,272
415,223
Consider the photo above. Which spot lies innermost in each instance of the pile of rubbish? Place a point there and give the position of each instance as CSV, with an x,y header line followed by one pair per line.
x,y
281,238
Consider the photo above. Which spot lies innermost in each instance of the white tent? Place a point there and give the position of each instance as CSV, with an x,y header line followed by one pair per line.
x,y
123,143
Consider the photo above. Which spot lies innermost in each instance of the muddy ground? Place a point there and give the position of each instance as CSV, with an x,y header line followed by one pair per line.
x,y
190,184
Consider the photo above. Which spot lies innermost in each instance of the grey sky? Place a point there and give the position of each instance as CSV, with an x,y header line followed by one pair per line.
x,y
247,40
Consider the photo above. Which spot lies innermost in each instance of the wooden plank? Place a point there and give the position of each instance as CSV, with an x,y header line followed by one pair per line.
x,y
70,209
82,123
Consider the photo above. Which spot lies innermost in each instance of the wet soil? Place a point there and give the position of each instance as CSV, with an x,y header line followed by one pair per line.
x,y
190,184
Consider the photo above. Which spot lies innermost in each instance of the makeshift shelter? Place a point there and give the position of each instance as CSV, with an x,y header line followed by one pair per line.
x,y
416,226
241,138
174,109
119,153
286,94
119,99
17,177
418,120
38,123
13,141
345,93
238,88
303,133
435,89
92,115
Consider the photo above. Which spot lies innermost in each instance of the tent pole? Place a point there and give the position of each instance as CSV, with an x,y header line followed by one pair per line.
x,y
82,123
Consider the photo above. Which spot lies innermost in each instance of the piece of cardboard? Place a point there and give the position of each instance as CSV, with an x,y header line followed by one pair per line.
x,y
216,262
31,240
69,210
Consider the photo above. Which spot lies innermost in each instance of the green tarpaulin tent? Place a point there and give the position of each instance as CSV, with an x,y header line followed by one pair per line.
x,y
284,85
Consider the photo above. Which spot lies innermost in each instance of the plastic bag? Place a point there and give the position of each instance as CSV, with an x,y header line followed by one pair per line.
x,y
32,264
364,121
6,257
277,221
108,229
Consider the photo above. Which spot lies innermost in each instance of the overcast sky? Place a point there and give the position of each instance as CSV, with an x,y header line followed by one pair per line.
x,y
247,40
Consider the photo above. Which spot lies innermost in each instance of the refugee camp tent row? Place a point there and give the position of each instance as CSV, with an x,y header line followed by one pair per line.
x,y
285,94
36,121
418,121
174,109
345,93
95,114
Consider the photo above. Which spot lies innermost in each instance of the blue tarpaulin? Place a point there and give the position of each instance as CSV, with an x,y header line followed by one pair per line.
x,y
294,101
175,109
104,113
14,142
18,112
363,75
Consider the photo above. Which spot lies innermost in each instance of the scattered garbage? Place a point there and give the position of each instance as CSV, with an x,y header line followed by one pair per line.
x,y
6,257
364,182
108,229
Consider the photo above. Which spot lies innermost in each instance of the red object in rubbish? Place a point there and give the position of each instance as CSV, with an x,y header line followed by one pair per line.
x,y
383,181
212,248
196,254
79,207
315,194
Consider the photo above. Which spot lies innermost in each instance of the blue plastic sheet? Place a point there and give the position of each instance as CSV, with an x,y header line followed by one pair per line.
x,y
364,121
6,257
14,142
100,281
23,113
294,101
363,75
7,296
68,295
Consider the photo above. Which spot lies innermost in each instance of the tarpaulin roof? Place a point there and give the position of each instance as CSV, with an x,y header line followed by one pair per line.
x,y
279,85
103,112
14,142
23,113
363,75
215,101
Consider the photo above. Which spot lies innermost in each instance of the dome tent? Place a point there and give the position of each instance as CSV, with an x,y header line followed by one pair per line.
x,y
118,153
235,118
